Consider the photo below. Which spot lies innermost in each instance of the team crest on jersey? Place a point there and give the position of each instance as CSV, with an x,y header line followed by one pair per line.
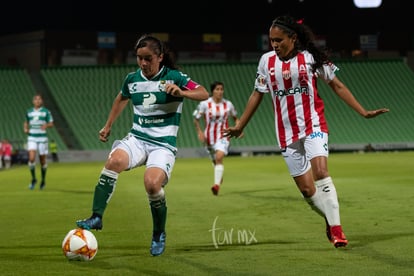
x,y
286,74
261,80
161,85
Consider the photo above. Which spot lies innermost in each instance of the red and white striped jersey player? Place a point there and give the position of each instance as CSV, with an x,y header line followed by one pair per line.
x,y
215,111
289,73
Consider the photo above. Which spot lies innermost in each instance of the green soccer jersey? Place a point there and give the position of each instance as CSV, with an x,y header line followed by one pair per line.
x,y
36,118
156,114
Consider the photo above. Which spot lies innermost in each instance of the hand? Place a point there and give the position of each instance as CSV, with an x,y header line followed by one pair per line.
x,y
173,90
375,113
201,137
233,132
104,134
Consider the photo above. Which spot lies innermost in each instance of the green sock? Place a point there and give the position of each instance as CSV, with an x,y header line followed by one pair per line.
x,y
103,193
43,171
32,169
159,215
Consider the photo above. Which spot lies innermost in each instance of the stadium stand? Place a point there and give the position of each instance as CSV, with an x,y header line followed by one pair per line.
x,y
375,83
85,93
238,80
16,96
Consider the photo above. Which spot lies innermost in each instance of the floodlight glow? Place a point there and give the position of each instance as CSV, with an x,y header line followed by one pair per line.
x,y
362,4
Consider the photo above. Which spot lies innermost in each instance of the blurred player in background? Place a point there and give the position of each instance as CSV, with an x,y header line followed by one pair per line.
x,y
215,112
38,120
7,149
289,74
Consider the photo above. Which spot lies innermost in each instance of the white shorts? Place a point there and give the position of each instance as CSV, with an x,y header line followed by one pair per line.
x,y
142,153
222,144
41,147
298,155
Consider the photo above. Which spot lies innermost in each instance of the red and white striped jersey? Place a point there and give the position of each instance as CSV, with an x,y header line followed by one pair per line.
x,y
297,106
216,118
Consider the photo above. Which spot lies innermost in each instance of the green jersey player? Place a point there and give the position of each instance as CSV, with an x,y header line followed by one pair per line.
x,y
38,119
157,90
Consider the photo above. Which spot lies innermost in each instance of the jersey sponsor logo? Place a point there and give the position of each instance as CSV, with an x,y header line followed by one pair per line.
x,y
292,91
147,121
316,134
216,120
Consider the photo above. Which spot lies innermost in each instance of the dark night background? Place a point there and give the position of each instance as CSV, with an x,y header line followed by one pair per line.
x,y
202,16
75,25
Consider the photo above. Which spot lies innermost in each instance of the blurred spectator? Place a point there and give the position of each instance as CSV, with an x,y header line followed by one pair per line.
x,y
7,150
54,150
1,155
369,148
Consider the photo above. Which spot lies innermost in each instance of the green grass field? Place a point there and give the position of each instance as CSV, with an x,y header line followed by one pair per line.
x,y
258,199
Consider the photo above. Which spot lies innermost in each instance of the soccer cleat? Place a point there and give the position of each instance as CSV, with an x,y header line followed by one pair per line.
x,y
158,244
215,189
42,185
90,223
336,236
32,184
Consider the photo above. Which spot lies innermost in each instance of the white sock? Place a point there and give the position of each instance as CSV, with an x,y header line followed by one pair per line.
x,y
329,200
158,196
109,173
218,174
31,164
315,203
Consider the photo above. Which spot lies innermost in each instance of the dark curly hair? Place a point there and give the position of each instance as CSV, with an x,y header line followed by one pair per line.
x,y
158,47
306,38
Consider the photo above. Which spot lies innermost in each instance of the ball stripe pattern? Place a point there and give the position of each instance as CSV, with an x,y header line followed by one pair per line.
x,y
80,245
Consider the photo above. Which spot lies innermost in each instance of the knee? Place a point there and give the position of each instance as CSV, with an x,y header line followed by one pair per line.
x,y
115,163
154,180
320,173
308,191
152,186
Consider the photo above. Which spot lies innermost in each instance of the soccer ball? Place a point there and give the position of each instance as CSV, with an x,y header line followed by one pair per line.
x,y
79,245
